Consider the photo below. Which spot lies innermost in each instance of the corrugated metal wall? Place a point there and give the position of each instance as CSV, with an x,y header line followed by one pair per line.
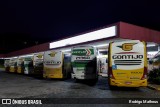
x,y
129,31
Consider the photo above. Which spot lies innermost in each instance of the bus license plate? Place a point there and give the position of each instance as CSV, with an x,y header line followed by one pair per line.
x,y
128,82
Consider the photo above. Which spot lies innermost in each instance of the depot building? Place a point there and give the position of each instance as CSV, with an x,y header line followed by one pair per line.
x,y
99,38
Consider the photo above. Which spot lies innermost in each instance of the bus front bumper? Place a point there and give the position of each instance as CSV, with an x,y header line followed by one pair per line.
x,y
128,83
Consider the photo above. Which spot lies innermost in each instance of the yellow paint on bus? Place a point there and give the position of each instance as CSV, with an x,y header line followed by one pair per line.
x,y
127,64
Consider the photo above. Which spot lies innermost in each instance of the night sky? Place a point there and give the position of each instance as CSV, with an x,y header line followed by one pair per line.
x,y
23,23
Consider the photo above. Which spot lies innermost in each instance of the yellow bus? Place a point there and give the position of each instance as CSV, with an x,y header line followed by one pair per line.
x,y
20,65
127,64
56,65
13,65
6,65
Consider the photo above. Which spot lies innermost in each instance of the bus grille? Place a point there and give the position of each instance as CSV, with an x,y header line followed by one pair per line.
x,y
127,62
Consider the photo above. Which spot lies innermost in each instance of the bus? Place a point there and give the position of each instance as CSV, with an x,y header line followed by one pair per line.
x,y
38,64
84,63
127,64
155,62
102,61
13,65
20,65
6,65
57,64
28,65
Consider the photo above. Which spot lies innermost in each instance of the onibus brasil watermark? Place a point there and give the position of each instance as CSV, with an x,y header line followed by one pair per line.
x,y
21,101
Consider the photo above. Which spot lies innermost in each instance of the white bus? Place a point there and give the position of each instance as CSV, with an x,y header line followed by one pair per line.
x,y
102,61
84,63
28,64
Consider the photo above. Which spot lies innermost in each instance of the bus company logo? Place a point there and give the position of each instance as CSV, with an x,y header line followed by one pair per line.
x,y
88,52
82,52
127,46
39,56
52,62
52,54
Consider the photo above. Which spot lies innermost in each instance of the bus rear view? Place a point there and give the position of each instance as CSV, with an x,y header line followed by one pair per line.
x,y
56,65
38,64
6,65
127,62
84,63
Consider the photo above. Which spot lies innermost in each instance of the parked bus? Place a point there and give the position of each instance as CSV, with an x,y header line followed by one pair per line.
x,y
84,63
127,62
57,65
102,61
20,65
6,65
38,64
28,64
13,65
155,61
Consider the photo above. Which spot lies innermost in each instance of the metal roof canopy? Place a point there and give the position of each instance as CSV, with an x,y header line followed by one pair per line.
x,y
99,38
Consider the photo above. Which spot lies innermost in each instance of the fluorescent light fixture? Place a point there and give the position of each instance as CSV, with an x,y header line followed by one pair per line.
x,y
102,45
102,56
26,56
150,45
67,50
95,35
14,57
153,52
